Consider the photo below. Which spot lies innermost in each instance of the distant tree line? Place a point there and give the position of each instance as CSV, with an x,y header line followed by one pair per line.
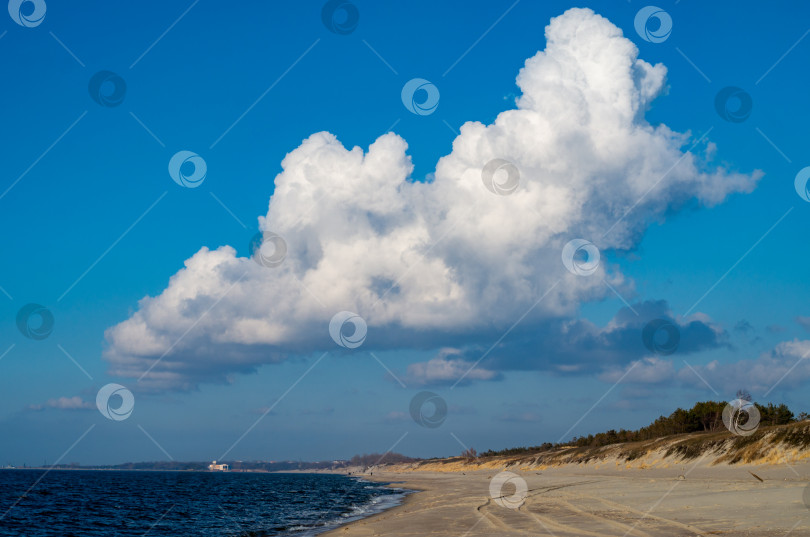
x,y
706,416
364,460
372,459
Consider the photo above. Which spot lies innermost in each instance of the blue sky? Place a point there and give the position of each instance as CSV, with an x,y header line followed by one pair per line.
x,y
242,87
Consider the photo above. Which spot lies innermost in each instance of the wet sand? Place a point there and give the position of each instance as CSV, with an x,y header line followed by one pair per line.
x,y
598,502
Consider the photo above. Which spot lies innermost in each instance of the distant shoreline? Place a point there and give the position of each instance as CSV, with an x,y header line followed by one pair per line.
x,y
89,469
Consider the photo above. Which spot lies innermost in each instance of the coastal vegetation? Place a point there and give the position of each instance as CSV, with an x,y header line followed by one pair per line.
x,y
703,417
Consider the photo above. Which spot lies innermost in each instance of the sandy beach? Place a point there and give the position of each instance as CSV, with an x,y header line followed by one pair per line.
x,y
581,500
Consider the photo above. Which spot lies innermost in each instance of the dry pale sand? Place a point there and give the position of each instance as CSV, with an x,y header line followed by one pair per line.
x,y
583,501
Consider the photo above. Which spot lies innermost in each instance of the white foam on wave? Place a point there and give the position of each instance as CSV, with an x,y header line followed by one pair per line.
x,y
376,504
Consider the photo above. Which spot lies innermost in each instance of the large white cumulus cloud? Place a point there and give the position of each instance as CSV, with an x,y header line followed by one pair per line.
x,y
429,264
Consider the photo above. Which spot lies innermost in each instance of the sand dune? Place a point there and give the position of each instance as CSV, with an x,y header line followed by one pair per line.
x,y
767,446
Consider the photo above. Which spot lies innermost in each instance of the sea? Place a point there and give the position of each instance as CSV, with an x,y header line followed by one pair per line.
x,y
87,503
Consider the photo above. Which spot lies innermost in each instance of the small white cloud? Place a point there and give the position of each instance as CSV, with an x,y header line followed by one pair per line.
x,y
396,417
651,370
447,368
65,403
521,417
264,411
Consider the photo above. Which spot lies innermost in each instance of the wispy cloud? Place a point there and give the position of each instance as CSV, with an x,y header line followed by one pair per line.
x,y
787,365
804,322
65,403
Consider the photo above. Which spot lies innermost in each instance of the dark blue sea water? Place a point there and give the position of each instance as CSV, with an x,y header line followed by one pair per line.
x,y
85,503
